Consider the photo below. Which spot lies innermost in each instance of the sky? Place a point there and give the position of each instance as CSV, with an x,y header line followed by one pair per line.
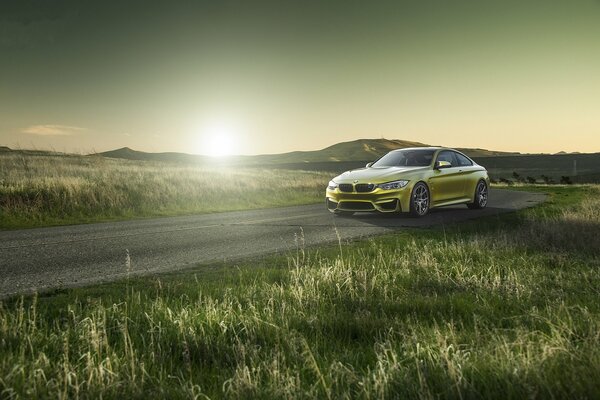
x,y
256,77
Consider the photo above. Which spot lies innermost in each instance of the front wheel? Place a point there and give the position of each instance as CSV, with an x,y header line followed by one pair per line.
x,y
481,196
419,200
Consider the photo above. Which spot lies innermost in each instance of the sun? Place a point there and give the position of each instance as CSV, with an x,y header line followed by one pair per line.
x,y
218,146
218,139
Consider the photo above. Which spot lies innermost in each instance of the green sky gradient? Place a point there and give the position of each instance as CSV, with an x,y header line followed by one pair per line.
x,y
505,75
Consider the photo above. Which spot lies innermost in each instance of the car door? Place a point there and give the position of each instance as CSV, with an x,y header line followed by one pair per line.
x,y
447,184
467,173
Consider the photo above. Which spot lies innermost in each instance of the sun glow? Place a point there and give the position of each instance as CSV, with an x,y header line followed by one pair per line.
x,y
218,139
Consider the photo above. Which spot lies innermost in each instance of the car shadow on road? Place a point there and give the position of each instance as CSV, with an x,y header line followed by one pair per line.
x,y
438,216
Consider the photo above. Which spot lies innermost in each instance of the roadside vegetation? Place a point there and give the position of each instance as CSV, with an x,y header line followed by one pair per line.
x,y
40,190
503,307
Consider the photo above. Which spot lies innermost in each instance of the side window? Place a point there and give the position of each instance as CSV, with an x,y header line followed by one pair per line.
x,y
447,156
462,160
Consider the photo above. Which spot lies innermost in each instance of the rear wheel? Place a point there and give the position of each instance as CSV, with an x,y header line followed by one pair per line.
x,y
419,200
481,196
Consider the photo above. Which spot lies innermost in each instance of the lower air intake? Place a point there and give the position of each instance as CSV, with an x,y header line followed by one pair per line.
x,y
332,205
388,205
356,206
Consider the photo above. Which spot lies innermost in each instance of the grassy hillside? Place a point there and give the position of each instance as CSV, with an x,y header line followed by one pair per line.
x,y
129,154
38,190
587,178
499,308
355,154
544,164
357,150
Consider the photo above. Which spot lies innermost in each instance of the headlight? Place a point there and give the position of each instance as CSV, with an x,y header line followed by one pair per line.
x,y
332,185
393,185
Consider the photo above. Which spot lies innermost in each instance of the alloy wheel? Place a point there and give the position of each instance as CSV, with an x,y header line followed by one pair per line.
x,y
420,200
482,194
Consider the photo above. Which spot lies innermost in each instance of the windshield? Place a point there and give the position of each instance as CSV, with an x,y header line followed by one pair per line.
x,y
406,158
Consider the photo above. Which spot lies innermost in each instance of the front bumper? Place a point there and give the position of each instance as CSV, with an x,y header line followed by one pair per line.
x,y
385,201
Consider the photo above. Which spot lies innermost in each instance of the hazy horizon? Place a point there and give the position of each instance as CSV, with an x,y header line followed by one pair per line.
x,y
277,76
93,151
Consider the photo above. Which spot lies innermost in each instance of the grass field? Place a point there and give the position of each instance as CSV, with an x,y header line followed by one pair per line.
x,y
502,307
39,190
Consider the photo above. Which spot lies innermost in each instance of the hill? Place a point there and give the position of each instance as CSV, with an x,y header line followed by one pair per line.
x,y
356,150
130,154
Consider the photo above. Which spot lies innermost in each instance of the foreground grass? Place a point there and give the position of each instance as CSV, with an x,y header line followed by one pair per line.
x,y
497,308
40,190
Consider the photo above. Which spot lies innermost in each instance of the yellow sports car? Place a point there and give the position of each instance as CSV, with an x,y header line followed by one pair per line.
x,y
410,180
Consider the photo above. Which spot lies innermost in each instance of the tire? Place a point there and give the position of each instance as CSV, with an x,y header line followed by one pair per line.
x,y
480,198
419,200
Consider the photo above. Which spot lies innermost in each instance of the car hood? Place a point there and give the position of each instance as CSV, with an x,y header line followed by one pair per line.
x,y
378,175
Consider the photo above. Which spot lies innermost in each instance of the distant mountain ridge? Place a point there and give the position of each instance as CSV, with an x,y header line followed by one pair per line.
x,y
581,167
356,150
130,154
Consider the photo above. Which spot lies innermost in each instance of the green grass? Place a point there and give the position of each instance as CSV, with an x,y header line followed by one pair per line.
x,y
47,189
503,307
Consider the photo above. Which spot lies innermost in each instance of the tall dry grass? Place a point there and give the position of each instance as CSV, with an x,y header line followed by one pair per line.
x,y
54,189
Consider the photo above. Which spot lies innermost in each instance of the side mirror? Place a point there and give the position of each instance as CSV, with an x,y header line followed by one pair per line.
x,y
442,165
369,164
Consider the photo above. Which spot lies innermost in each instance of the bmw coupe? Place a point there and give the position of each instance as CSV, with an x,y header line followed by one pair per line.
x,y
412,180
